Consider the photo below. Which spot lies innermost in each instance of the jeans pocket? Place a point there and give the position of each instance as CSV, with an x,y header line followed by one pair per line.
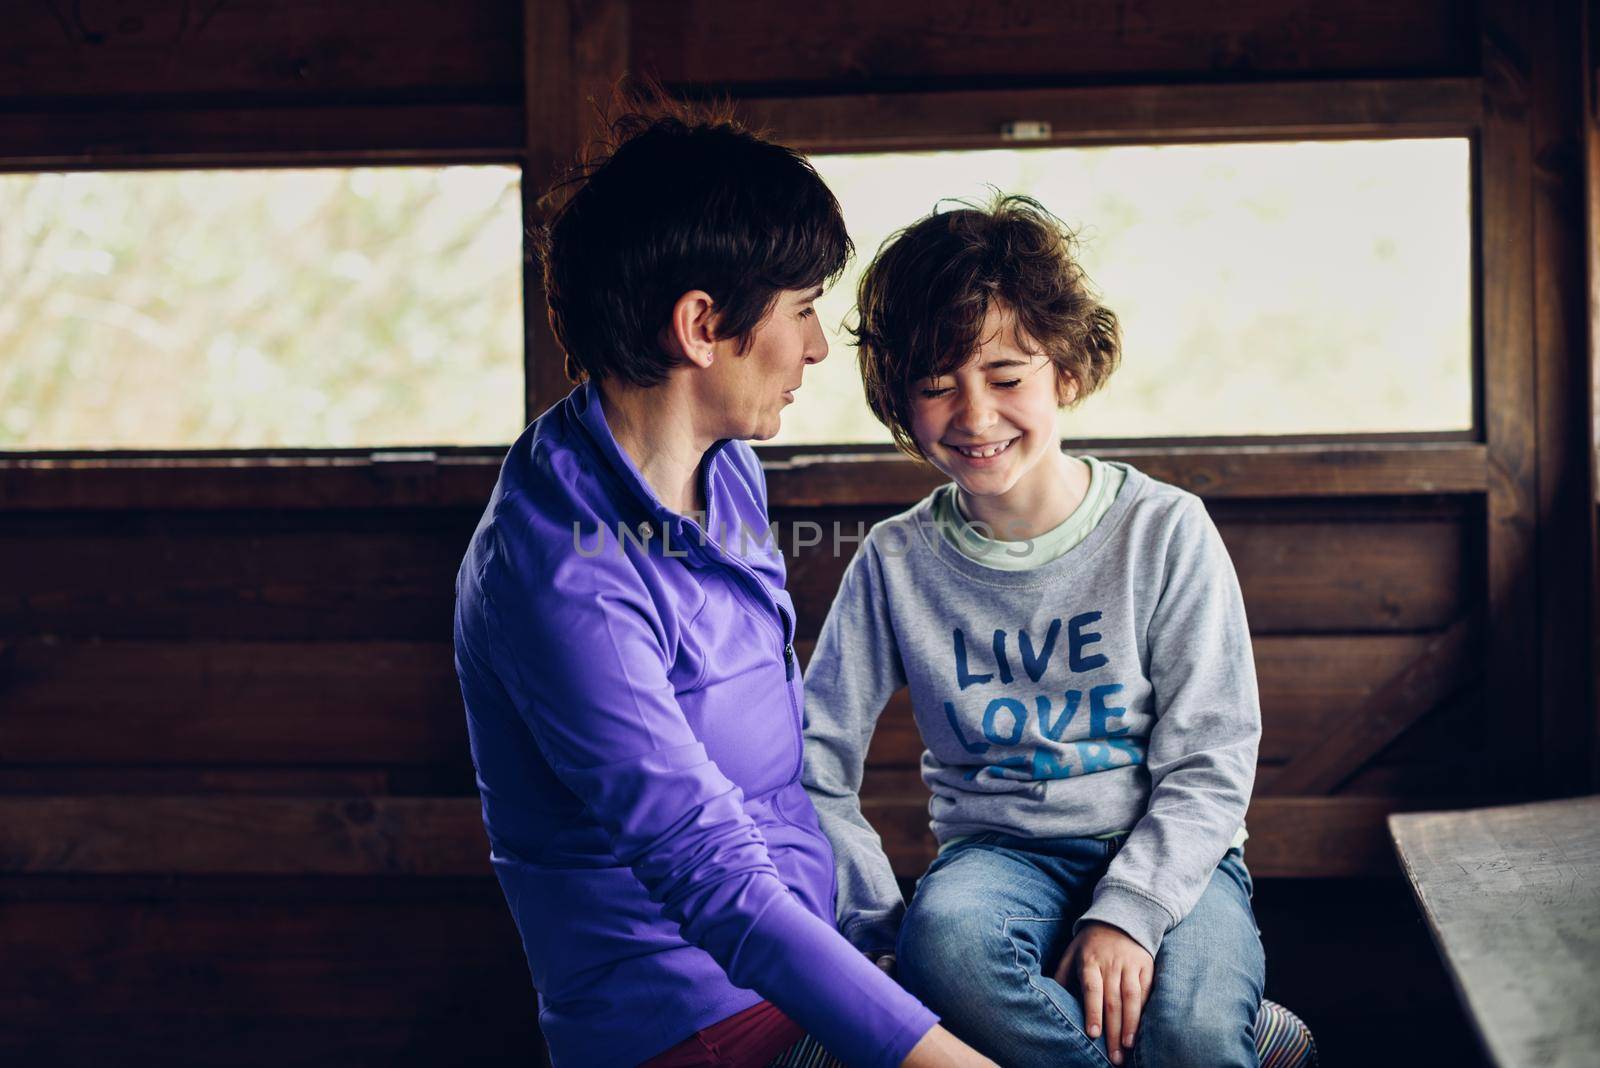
x,y
1233,864
955,848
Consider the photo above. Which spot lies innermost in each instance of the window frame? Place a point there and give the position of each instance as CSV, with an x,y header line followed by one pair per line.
x,y
972,120
1451,462
14,461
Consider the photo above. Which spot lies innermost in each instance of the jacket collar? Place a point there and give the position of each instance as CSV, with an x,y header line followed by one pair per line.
x,y
586,412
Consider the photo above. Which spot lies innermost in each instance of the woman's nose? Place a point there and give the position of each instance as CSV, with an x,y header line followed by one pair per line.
x,y
816,344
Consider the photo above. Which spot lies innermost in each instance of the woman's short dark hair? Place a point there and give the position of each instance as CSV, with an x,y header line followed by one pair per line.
x,y
923,300
679,198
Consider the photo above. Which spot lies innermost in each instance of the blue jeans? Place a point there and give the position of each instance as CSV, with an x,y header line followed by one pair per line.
x,y
992,917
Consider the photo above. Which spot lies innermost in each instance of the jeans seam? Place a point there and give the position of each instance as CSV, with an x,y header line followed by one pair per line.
x,y
1016,957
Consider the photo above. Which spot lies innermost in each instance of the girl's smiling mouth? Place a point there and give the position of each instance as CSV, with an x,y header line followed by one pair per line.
x,y
983,452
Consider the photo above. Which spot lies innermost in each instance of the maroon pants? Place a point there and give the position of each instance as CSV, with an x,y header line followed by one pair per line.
x,y
749,1039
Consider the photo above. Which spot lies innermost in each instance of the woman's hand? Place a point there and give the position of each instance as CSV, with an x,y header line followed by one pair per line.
x,y
940,1049
1111,974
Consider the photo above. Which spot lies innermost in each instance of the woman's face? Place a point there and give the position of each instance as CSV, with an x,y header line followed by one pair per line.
x,y
753,388
991,423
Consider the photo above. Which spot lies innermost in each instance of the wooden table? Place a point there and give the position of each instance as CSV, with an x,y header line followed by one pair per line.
x,y
1512,896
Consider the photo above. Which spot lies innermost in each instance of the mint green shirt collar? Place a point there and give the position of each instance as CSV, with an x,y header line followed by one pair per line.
x,y
1104,482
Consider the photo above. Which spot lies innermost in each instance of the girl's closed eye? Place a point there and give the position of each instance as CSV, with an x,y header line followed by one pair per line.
x,y
939,391
806,313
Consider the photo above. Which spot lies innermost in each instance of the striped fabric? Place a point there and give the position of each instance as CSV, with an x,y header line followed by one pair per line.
x,y
1282,1038
1282,1041
806,1053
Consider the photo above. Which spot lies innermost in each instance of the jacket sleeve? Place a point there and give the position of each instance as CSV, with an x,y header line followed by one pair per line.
x,y
1202,749
855,669
590,680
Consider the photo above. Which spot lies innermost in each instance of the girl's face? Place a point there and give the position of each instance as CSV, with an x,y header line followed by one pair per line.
x,y
991,425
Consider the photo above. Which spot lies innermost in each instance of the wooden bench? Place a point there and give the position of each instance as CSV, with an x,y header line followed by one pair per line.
x,y
1512,898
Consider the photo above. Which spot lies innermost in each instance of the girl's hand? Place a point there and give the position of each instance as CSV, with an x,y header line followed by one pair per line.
x,y
1111,975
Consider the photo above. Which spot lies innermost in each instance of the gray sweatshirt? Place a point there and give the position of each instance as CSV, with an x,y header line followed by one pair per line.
x,y
1111,689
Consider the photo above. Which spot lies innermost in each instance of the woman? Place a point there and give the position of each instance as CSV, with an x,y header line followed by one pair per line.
x,y
624,641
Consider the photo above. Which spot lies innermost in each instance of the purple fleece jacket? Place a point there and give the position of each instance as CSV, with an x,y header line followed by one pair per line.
x,y
634,708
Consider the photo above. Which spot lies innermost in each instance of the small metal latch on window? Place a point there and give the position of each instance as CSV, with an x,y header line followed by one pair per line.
x,y
1025,130
401,464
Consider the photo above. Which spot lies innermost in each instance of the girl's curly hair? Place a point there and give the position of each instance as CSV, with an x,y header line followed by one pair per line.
x,y
922,302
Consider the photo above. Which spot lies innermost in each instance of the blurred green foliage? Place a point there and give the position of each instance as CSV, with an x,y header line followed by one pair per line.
x,y
1273,288
1270,288
373,306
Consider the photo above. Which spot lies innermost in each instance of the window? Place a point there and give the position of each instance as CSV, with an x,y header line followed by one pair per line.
x,y
371,306
1319,287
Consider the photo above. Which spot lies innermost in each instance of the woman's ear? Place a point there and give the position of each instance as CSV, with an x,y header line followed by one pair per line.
x,y
690,332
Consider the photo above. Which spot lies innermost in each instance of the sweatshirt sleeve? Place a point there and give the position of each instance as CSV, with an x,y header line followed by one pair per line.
x,y
854,671
1202,748
591,683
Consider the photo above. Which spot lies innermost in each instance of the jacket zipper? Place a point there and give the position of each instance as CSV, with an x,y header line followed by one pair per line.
x,y
754,587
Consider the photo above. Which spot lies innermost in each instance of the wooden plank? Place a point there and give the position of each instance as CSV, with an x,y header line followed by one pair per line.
x,y
207,135
262,981
1322,838
458,479
389,575
1415,780
1309,686
447,1030
1322,578
1421,779
1591,156
573,55
1351,469
352,890
444,837
472,1002
1505,197
1511,895
1298,576
1313,838
243,836
1452,733
1446,663
728,44
975,119
550,147
200,717
389,479
228,703
1565,397
1216,473
235,575
304,959
302,50
122,779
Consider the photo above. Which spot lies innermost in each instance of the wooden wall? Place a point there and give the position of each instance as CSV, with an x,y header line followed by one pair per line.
x,y
238,824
